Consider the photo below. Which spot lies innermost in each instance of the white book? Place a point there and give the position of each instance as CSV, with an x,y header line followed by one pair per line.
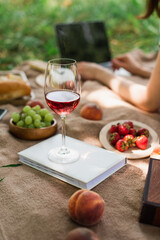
x,y
94,165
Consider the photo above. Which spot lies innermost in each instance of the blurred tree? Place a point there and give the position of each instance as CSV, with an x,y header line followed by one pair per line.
x,y
26,29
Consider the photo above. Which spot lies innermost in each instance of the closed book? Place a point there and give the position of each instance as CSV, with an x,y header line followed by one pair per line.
x,y
150,209
94,165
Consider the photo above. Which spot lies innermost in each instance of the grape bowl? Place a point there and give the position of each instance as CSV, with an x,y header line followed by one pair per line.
x,y
33,123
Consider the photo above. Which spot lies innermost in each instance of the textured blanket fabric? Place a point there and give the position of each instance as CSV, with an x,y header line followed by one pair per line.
x,y
33,205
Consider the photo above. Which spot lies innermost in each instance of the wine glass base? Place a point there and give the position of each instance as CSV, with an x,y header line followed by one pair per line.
x,y
70,156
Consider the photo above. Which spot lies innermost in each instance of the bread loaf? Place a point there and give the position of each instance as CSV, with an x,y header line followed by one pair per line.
x,y
38,65
12,87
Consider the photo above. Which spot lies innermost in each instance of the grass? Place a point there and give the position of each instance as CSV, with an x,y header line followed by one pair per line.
x,y
27,26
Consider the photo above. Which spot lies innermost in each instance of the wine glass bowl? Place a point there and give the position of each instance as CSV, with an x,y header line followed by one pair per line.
x,y
62,102
62,93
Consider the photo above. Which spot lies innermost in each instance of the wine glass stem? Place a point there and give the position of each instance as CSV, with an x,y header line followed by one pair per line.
x,y
63,149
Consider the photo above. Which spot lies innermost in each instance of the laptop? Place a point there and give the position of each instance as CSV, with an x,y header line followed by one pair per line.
x,y
84,41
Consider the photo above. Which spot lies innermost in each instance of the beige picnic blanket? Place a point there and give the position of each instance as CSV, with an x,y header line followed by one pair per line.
x,y
33,205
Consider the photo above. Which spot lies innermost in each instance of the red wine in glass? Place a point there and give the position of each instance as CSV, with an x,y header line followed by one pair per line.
x,y
62,91
62,102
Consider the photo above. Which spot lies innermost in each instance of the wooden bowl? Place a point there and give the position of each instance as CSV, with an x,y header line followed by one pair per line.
x,y
33,133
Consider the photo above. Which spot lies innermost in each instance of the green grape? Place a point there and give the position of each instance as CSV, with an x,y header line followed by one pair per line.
x,y
31,125
31,112
37,107
37,111
33,117
23,115
15,116
48,124
37,123
20,123
48,117
43,112
26,109
28,120
37,116
42,124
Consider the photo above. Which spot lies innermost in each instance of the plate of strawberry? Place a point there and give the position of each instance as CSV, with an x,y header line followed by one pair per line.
x,y
131,138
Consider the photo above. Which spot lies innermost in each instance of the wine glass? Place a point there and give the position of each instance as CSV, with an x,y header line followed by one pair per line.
x,y
62,93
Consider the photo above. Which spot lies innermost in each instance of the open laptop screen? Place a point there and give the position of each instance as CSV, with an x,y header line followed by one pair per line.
x,y
83,41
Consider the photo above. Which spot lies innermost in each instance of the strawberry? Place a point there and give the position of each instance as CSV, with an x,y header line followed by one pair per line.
x,y
129,139
133,131
113,128
121,145
114,137
123,129
141,142
143,131
129,123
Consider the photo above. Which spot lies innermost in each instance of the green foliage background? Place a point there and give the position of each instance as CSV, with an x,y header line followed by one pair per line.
x,y
26,26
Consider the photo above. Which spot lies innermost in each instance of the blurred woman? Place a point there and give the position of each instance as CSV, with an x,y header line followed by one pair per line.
x,y
144,97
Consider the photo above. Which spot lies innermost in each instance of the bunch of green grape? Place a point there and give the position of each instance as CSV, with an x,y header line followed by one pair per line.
x,y
33,117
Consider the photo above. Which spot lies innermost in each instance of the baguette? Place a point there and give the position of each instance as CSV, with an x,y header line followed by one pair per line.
x,y
14,77
13,88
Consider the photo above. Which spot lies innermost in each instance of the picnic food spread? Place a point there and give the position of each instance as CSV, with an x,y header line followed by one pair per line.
x,y
125,135
43,199
13,86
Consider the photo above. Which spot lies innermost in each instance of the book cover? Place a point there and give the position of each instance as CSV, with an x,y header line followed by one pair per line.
x,y
94,165
150,209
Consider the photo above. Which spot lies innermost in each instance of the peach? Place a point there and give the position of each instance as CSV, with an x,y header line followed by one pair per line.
x,y
82,234
156,150
91,111
86,207
35,102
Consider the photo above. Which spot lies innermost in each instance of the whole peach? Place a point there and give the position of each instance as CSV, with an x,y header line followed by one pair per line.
x,y
82,234
33,103
91,111
86,207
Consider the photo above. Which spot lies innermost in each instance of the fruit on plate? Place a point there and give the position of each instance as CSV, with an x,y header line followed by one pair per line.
x,y
141,142
35,102
121,145
32,117
91,111
114,137
143,131
133,131
113,128
123,129
81,233
86,207
125,135
130,123
129,139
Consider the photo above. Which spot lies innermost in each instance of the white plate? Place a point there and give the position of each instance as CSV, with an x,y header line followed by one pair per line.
x,y
131,153
40,80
